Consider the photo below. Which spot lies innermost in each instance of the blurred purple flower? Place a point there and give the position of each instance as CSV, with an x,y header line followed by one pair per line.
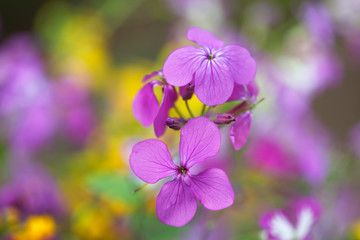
x,y
176,203
25,95
278,224
31,190
354,139
146,108
77,117
215,68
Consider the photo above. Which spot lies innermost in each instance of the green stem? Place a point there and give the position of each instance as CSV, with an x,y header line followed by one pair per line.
x,y
203,110
178,112
138,189
188,108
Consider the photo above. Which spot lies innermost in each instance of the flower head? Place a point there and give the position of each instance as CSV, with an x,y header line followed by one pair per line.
x,y
277,224
213,67
176,203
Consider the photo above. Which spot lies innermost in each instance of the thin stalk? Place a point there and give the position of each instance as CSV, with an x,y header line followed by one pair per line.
x,y
138,189
189,110
203,110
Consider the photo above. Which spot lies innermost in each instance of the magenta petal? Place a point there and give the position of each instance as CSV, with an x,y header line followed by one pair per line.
x,y
239,93
167,102
175,205
199,139
145,105
277,225
241,64
204,38
240,130
151,75
213,189
181,64
307,211
214,83
151,161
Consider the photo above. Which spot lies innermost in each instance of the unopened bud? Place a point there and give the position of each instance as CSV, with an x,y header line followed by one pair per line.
x,y
224,118
187,91
173,123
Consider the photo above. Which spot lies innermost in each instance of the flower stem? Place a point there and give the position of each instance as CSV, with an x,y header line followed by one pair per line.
x,y
178,112
203,110
188,108
138,189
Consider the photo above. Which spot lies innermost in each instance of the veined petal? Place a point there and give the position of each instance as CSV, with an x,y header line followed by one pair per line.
x,y
145,105
204,38
169,98
181,65
240,130
277,226
213,82
175,205
151,161
199,139
241,64
213,189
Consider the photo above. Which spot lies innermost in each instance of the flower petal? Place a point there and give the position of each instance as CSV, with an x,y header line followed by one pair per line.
x,y
169,98
181,65
199,139
241,64
213,82
307,212
145,105
240,130
175,205
277,226
213,189
239,93
204,38
151,161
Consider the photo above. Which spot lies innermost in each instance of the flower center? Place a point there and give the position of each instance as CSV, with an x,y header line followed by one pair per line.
x,y
182,170
210,57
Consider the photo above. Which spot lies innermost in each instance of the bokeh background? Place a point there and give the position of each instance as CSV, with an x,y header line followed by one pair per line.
x,y
70,69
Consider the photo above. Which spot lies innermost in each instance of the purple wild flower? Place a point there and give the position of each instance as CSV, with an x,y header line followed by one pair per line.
x,y
213,67
278,225
146,108
176,203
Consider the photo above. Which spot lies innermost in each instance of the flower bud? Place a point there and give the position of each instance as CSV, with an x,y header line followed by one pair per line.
x,y
173,123
224,118
187,91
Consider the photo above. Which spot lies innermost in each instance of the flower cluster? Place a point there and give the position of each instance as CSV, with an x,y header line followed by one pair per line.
x,y
216,75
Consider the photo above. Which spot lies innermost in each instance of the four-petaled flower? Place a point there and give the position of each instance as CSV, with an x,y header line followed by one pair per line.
x,y
176,203
213,67
278,226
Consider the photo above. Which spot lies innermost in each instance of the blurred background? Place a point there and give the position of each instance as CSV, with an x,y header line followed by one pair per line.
x,y
69,71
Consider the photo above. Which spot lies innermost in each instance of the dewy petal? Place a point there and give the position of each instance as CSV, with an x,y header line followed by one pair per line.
x,y
213,82
169,98
151,161
204,38
213,189
241,64
145,105
240,130
175,205
277,226
199,139
181,64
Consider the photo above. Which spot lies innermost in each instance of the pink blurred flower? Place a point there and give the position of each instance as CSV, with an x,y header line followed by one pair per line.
x,y
176,203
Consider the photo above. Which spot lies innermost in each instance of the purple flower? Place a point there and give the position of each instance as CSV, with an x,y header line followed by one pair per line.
x,y
278,225
213,67
146,106
176,203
